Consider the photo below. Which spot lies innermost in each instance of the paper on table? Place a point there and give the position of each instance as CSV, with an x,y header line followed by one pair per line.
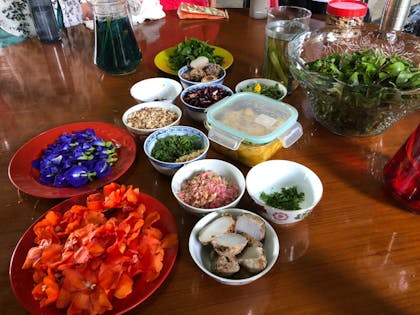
x,y
192,11
142,10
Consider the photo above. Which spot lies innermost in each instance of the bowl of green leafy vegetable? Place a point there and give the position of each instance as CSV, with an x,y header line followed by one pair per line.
x,y
358,84
170,148
267,87
284,191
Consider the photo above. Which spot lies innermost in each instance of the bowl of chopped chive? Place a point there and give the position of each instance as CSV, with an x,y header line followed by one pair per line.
x,y
170,148
267,87
284,191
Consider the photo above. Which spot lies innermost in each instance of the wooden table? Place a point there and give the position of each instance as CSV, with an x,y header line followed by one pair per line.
x,y
357,253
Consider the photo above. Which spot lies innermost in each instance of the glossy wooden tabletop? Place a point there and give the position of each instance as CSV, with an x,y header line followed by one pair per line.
x,y
357,253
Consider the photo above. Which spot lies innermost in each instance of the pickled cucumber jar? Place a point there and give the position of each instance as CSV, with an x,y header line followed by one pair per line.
x,y
277,35
116,51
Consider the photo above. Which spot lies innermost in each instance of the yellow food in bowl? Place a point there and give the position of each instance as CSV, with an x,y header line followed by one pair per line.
x,y
250,154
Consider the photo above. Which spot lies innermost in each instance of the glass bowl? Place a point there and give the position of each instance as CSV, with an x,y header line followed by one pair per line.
x,y
349,110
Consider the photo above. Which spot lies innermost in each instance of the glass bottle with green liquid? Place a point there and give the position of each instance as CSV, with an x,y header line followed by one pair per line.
x,y
116,50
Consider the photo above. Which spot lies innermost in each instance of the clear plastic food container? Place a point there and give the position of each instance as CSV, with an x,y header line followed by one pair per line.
x,y
250,127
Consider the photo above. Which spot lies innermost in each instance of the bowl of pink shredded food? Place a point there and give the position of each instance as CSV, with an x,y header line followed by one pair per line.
x,y
208,185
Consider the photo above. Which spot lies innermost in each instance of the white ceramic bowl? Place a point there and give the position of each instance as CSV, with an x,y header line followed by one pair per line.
x,y
168,168
224,169
245,83
186,83
198,113
141,134
270,176
201,253
156,89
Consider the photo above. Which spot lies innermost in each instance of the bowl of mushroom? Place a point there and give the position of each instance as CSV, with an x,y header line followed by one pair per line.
x,y
200,70
234,246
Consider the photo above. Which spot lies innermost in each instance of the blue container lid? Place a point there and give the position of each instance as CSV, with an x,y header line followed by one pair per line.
x,y
253,118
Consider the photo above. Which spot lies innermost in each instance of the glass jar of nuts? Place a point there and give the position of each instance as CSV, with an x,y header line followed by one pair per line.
x,y
347,15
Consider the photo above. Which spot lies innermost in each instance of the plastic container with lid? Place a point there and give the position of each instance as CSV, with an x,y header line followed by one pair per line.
x,y
346,13
250,127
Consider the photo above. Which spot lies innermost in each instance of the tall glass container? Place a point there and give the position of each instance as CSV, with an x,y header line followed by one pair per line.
x,y
402,173
45,21
116,51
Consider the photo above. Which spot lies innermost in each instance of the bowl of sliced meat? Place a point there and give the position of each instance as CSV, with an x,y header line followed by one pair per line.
x,y
234,246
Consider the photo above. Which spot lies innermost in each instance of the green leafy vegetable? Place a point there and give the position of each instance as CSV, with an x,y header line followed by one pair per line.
x,y
189,50
369,67
171,148
288,198
361,93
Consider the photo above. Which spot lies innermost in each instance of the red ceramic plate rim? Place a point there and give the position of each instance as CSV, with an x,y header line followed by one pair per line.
x,y
24,177
21,280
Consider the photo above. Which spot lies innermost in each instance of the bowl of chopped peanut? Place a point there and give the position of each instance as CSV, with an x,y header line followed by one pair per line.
x,y
143,119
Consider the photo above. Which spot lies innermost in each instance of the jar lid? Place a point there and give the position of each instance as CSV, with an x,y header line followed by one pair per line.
x,y
347,8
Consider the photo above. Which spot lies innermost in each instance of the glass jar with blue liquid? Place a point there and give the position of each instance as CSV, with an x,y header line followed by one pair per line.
x,y
116,50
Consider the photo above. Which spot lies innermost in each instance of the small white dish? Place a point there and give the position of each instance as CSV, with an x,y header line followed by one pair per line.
x,y
139,133
156,89
270,176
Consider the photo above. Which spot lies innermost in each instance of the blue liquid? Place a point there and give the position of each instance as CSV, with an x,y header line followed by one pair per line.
x,y
116,49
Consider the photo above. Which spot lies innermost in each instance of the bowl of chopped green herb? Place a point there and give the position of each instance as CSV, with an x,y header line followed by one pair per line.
x,y
170,148
267,87
284,191
359,84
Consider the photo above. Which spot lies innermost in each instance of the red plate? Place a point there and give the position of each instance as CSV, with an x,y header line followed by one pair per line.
x,y
21,280
24,177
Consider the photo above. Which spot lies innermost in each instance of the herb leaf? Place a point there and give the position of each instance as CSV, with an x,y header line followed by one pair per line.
x,y
369,67
288,198
171,148
190,49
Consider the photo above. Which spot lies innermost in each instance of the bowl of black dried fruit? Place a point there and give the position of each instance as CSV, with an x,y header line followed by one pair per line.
x,y
197,98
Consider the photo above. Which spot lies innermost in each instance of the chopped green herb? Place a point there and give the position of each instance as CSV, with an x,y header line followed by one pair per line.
x,y
171,148
288,198
190,49
272,91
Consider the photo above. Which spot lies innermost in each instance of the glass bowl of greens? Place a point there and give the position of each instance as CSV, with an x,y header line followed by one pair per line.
x,y
287,197
358,85
170,148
